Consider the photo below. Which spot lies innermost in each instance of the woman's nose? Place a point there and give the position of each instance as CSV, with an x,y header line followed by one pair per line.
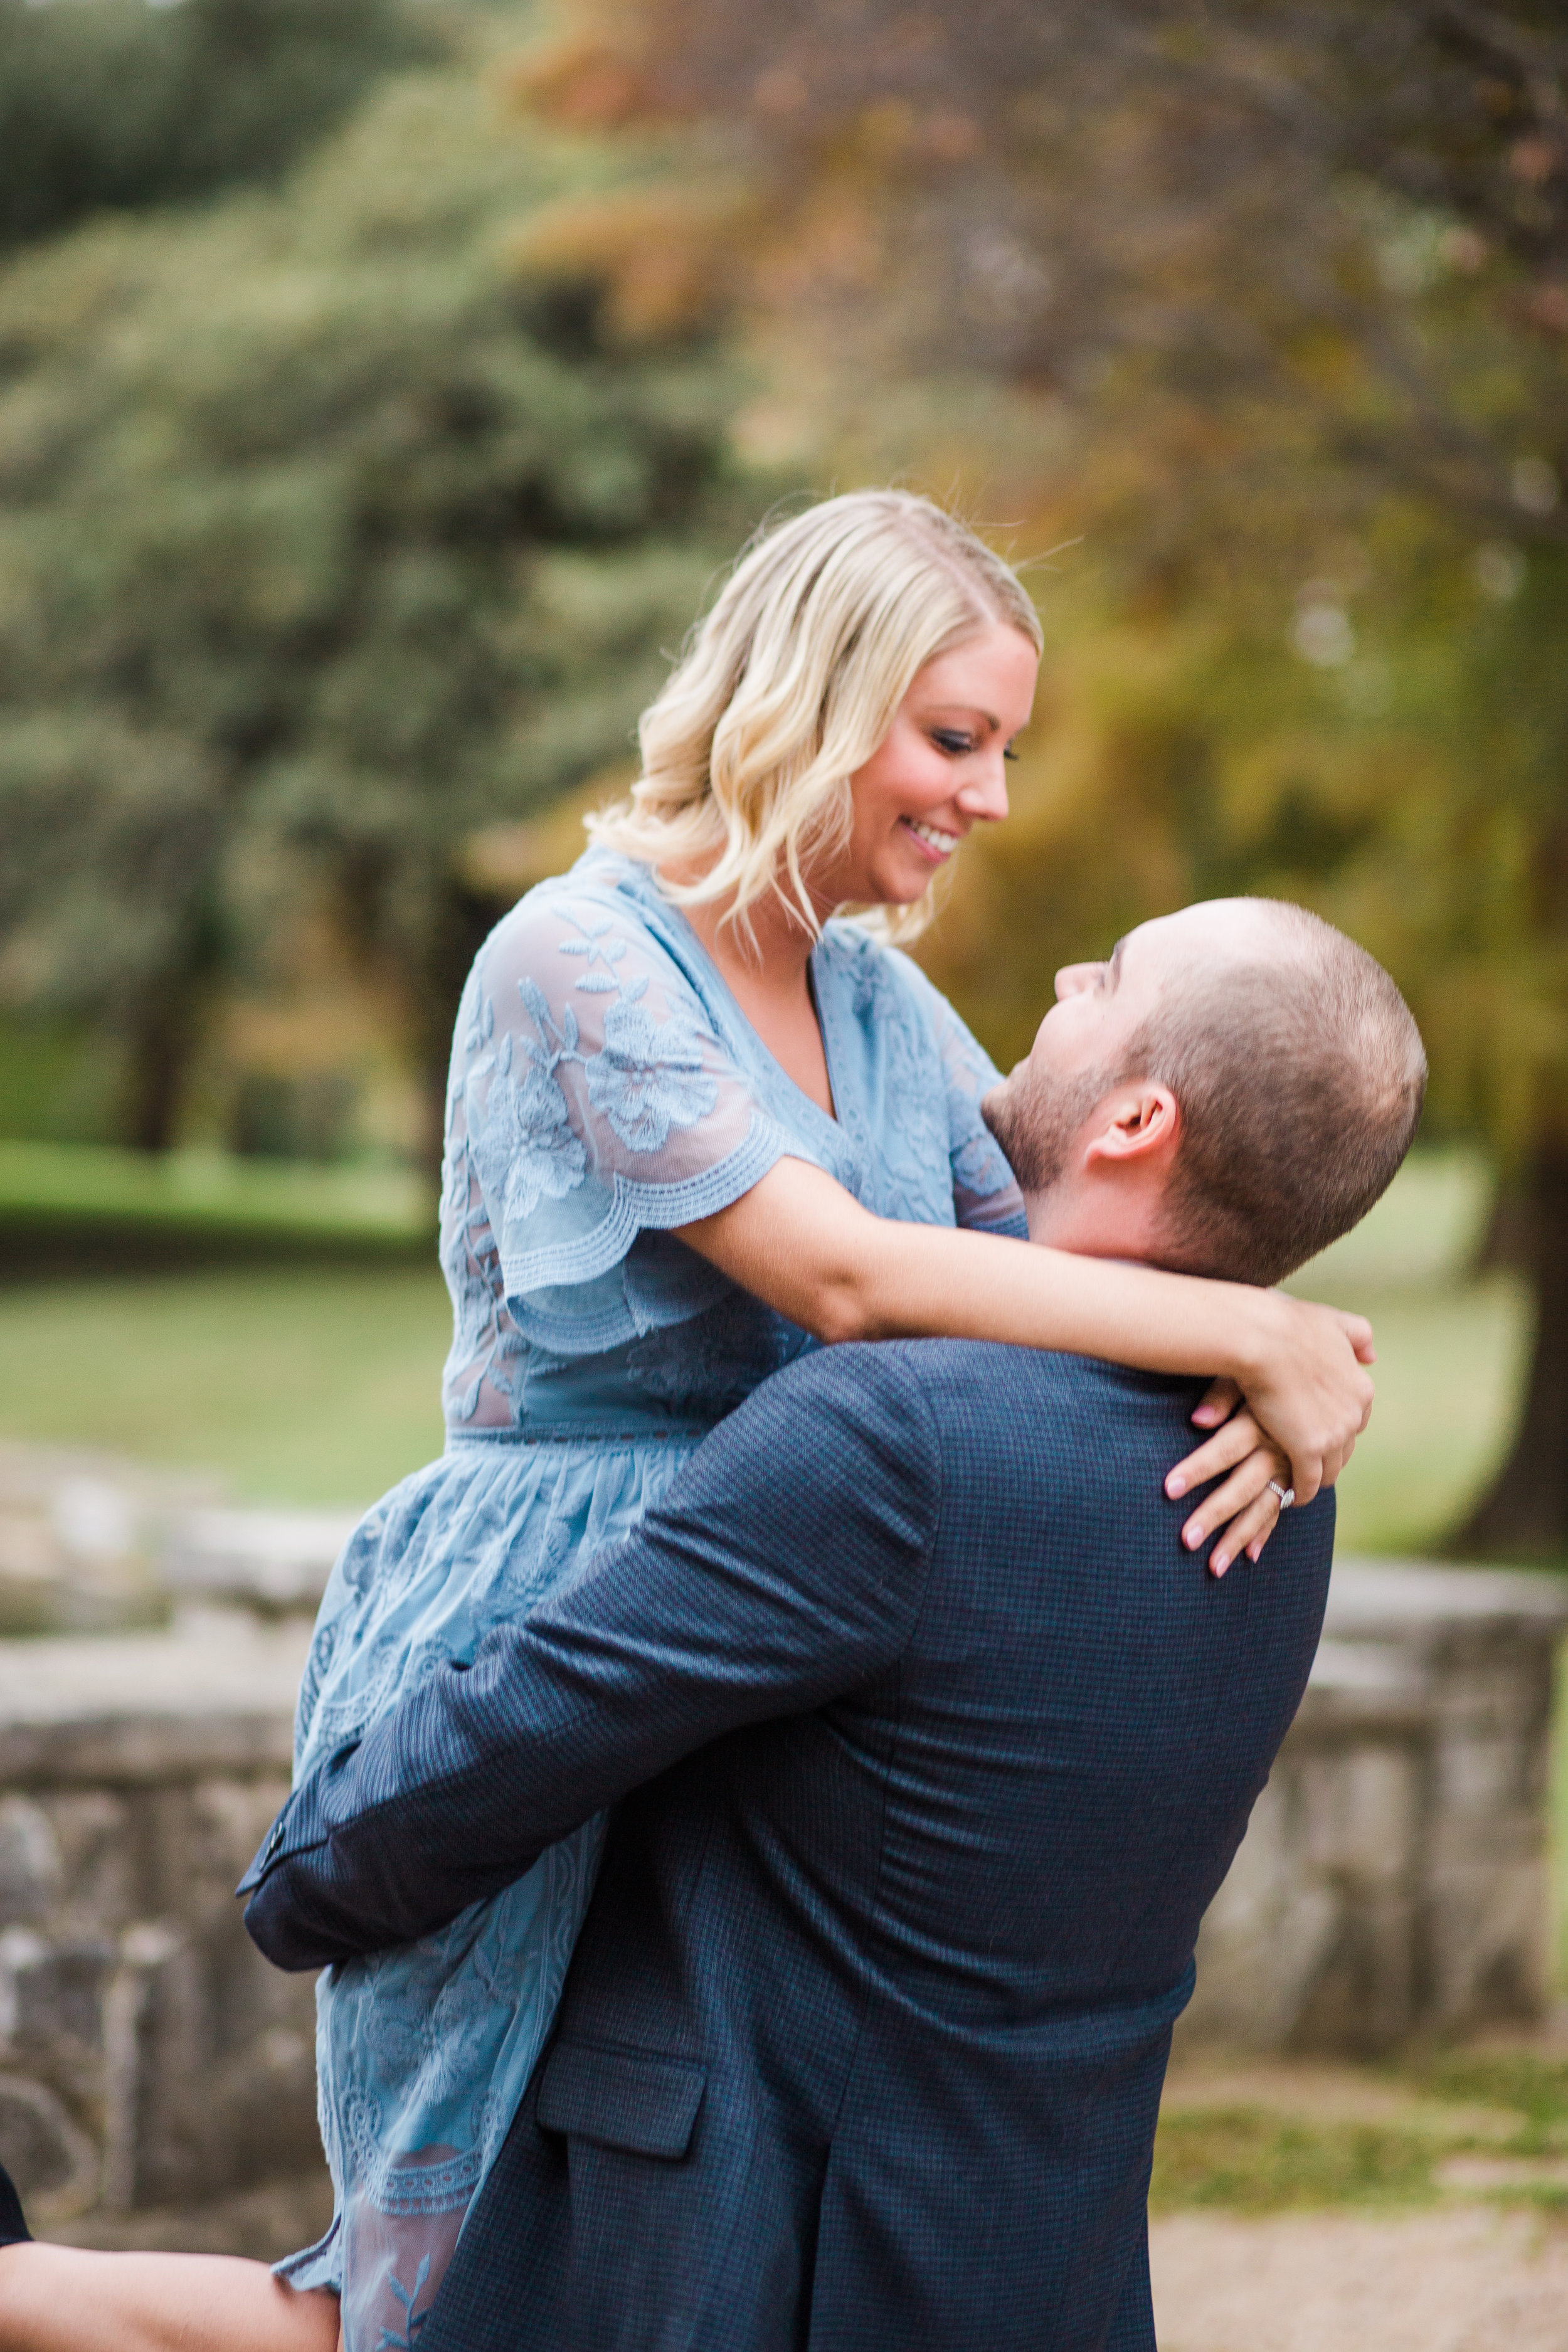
x,y
984,794
1073,978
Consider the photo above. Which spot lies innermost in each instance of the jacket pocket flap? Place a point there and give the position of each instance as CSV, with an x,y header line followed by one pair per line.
x,y
621,2100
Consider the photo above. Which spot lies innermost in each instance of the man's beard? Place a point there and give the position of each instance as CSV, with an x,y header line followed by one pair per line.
x,y
1036,1122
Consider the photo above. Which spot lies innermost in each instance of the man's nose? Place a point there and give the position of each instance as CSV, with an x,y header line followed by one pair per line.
x,y
1073,978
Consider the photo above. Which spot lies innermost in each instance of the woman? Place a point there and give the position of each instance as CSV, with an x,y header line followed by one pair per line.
x,y
693,1119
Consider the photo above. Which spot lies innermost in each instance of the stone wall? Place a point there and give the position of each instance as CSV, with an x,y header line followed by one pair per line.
x,y
1393,1880
148,2057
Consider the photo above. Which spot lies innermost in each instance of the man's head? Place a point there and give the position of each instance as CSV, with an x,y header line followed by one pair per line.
x,y
1227,1093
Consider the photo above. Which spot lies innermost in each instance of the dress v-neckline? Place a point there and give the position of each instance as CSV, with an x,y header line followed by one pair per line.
x,y
814,972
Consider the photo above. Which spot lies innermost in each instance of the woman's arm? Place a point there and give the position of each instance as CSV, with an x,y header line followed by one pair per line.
x,y
800,1243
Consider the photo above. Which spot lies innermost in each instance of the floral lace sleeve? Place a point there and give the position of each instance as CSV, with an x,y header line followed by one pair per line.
x,y
592,1099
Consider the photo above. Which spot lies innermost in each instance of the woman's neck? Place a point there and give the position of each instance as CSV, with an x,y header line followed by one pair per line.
x,y
778,951
770,979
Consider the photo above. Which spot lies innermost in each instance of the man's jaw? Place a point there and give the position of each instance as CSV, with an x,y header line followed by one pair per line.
x,y
1067,1207
1042,1122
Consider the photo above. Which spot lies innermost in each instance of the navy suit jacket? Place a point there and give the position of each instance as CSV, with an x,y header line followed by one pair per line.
x,y
941,1745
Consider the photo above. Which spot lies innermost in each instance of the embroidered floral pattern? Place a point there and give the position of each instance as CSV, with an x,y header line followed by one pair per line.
x,y
649,1077
413,2319
523,1148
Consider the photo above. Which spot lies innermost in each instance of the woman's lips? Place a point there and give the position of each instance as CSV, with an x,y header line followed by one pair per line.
x,y
933,840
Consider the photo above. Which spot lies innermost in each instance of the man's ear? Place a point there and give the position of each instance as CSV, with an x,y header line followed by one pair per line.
x,y
1137,1125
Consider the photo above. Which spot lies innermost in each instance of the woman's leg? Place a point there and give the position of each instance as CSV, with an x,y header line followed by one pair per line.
x,y
68,2299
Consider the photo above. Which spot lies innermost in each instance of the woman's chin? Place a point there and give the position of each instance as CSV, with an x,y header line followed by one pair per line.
x,y
913,881
900,883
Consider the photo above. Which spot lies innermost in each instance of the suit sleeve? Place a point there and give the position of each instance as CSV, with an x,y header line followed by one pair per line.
x,y
785,1568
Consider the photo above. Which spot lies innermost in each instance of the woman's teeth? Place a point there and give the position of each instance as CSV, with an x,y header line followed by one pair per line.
x,y
934,838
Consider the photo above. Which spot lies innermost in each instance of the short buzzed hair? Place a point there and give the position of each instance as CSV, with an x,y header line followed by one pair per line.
x,y
1299,1078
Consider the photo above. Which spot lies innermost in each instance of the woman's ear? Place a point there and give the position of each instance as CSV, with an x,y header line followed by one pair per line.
x,y
1141,1123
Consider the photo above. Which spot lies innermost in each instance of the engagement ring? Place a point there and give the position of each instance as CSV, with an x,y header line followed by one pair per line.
x,y
1287,1494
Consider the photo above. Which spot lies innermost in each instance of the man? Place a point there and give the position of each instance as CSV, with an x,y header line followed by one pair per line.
x,y
939,1746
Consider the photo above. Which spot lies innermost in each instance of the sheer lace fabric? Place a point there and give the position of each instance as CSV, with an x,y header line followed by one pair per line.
x,y
604,1089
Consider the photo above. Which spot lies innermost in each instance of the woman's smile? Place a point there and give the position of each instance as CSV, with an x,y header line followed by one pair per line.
x,y
935,843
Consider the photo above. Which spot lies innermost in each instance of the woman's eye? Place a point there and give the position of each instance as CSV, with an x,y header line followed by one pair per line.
x,y
955,745
1008,753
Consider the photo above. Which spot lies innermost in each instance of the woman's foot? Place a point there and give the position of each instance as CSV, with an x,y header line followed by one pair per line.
x,y
14,2230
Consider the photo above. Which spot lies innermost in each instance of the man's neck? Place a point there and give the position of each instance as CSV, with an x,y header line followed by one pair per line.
x,y
1096,1221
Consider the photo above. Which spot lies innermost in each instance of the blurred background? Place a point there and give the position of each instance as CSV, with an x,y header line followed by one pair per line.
x,y
383,384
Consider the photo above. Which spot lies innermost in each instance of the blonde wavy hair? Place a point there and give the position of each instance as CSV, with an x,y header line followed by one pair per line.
x,y
789,685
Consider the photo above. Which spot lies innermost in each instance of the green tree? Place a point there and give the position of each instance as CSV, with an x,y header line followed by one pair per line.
x,y
325,538
121,103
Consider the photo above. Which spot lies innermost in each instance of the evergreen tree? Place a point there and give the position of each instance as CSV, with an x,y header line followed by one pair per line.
x,y
325,538
122,104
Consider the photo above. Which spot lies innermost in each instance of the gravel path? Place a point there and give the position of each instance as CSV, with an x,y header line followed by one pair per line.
x,y
1465,2280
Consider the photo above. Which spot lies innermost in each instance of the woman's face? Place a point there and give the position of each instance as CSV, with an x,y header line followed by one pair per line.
x,y
940,769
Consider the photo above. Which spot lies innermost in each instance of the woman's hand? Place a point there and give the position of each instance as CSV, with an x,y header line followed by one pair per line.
x,y
1307,1384
1243,1512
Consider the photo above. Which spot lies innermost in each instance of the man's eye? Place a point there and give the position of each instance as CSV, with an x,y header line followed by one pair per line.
x,y
955,745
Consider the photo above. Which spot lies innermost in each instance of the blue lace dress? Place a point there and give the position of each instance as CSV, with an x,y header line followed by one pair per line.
x,y
605,1088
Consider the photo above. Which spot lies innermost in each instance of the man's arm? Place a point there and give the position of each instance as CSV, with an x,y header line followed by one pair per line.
x,y
785,1567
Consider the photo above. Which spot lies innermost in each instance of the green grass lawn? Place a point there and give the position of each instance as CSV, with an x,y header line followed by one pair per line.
x,y
1249,2160
1452,1353
1492,2124
1450,1366
293,1385
197,1193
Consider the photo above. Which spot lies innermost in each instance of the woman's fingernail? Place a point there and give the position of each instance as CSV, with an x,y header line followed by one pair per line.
x,y
1175,1486
1220,1563
1255,1553
1193,1536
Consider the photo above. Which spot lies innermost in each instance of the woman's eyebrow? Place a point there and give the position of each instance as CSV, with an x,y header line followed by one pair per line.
x,y
975,710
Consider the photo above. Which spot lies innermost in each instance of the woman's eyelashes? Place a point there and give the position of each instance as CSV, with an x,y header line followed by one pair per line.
x,y
957,746
949,739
